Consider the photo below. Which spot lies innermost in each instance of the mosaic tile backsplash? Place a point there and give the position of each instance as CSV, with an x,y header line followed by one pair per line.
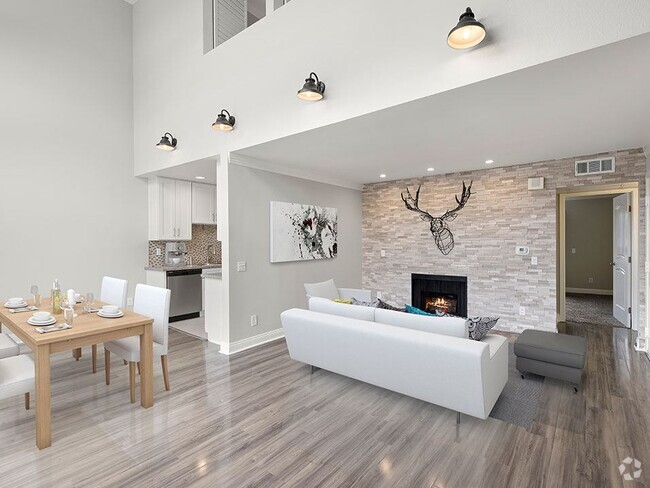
x,y
202,237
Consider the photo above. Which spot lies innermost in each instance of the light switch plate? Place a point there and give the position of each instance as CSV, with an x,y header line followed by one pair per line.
x,y
382,253
253,320
533,260
379,295
522,311
241,266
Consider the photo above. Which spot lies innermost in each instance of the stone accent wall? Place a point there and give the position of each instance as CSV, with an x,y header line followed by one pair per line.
x,y
501,214
202,236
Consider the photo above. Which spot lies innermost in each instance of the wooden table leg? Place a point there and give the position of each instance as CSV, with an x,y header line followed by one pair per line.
x,y
76,353
43,397
146,367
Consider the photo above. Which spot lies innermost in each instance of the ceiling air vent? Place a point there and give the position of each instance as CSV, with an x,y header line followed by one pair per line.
x,y
594,166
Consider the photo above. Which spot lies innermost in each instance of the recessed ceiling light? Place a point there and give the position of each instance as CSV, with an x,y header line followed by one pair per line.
x,y
489,161
200,177
382,175
430,169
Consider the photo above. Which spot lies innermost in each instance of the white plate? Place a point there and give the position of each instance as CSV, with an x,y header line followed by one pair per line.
x,y
15,305
31,321
111,316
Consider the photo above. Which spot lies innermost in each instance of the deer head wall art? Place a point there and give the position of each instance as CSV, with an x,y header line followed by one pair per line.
x,y
438,226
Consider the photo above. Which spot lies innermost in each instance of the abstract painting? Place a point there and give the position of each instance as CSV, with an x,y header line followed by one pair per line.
x,y
302,232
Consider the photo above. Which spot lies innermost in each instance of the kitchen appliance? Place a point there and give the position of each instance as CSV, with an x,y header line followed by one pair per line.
x,y
186,297
175,253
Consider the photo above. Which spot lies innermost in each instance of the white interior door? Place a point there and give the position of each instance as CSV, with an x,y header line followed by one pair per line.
x,y
622,267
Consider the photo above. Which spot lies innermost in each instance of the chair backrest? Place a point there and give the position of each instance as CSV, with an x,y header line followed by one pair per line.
x,y
153,302
114,291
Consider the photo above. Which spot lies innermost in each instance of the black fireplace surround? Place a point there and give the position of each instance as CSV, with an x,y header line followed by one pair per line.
x,y
439,293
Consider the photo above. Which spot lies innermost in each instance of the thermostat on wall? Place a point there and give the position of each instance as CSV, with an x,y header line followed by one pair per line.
x,y
522,250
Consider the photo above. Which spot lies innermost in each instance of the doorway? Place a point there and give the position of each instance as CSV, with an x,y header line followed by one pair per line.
x,y
597,252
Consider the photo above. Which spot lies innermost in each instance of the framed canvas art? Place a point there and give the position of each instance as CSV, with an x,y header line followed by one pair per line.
x,y
302,232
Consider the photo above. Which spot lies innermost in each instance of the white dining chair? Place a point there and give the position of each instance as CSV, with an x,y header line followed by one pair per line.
x,y
152,302
16,377
8,346
113,292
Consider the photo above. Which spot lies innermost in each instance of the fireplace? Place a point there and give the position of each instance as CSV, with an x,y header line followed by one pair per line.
x,y
439,294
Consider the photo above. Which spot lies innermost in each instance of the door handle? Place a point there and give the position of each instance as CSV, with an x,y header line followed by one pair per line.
x,y
612,264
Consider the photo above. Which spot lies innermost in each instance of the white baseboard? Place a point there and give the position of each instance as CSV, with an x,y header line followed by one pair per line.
x,y
589,291
249,342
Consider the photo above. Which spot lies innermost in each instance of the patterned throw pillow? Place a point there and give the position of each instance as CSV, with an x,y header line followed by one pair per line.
x,y
373,304
478,327
342,300
388,306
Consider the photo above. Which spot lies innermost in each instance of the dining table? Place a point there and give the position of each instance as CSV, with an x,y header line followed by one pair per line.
x,y
87,329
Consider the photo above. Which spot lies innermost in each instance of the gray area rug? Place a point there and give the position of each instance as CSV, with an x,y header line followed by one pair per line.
x,y
590,309
520,397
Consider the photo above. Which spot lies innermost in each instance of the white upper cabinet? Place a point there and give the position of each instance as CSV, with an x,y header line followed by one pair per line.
x,y
204,203
170,210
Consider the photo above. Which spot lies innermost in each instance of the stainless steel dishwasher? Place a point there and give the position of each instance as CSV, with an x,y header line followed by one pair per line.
x,y
186,300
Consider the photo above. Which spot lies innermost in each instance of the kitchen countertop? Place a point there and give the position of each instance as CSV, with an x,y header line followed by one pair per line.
x,y
212,276
182,267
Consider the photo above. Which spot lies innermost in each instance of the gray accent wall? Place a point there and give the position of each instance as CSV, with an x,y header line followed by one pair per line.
x,y
501,214
266,289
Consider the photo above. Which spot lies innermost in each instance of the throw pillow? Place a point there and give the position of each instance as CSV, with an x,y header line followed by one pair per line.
x,y
417,311
388,306
342,300
373,304
478,327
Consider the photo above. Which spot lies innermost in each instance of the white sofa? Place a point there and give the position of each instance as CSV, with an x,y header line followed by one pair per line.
x,y
401,352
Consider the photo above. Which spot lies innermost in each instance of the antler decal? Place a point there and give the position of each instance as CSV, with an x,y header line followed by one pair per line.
x,y
438,226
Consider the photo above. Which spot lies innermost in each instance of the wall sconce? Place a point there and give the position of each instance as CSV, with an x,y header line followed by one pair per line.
x,y
225,122
313,89
167,142
468,32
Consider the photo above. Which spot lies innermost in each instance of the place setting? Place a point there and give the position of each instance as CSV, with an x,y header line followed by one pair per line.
x,y
46,322
110,312
16,305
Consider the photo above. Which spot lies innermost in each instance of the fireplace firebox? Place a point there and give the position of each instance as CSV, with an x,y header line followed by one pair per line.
x,y
439,294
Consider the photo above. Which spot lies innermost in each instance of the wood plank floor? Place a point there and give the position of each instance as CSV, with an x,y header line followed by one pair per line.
x,y
260,419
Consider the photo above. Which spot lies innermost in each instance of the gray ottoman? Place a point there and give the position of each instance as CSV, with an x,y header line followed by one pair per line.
x,y
558,356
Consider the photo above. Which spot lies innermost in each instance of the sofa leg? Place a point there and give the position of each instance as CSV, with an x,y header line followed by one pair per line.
x,y
312,369
575,389
457,418
522,376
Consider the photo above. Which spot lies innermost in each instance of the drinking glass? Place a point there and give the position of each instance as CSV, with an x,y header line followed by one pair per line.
x,y
89,302
37,296
68,315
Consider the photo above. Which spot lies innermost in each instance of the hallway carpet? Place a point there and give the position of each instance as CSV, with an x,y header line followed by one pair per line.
x,y
590,309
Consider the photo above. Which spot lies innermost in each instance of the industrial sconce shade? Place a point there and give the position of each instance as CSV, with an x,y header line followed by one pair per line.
x,y
167,142
225,122
313,89
468,32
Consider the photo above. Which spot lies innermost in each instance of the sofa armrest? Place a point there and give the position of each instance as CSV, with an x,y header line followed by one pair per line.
x,y
350,293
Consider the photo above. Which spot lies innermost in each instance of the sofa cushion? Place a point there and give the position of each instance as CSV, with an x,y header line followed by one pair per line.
x,y
449,326
324,305
324,289
562,349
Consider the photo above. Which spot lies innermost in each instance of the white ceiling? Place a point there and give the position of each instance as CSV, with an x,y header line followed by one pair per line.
x,y
132,2
583,104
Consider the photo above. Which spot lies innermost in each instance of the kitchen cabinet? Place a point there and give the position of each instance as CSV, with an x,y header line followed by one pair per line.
x,y
170,210
204,203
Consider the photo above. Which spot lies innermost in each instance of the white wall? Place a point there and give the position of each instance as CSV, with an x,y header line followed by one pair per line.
x,y
70,207
266,289
371,55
